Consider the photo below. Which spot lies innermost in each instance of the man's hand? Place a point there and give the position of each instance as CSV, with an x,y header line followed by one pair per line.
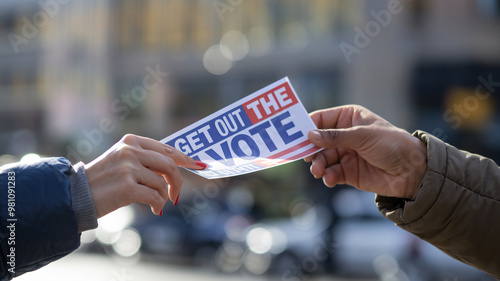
x,y
137,169
365,151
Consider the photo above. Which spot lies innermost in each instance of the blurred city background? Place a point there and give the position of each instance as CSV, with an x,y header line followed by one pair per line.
x,y
73,81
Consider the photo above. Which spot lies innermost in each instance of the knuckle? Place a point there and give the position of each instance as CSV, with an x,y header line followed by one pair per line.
x,y
180,181
358,107
171,166
127,170
169,149
128,191
127,152
128,176
158,199
129,139
332,135
171,169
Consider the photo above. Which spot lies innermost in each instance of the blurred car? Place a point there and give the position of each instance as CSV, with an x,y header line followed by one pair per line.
x,y
127,232
367,244
351,239
285,247
185,233
172,236
114,234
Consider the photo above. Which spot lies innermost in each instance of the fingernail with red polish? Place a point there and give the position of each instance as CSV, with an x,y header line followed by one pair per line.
x,y
161,213
201,164
176,201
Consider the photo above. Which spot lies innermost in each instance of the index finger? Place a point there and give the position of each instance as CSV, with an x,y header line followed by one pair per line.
x,y
164,166
179,158
327,118
344,117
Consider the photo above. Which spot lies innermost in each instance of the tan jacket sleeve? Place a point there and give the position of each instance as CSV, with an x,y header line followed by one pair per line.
x,y
457,208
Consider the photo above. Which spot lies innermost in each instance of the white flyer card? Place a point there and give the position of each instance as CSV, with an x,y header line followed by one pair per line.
x,y
262,130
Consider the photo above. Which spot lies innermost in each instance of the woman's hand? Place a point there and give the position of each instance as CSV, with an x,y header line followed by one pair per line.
x,y
365,151
137,169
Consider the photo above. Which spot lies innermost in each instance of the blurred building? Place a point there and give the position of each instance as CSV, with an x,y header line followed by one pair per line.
x,y
67,65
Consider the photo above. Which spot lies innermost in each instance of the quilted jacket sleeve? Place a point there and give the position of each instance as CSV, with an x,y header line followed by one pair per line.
x,y
457,208
40,221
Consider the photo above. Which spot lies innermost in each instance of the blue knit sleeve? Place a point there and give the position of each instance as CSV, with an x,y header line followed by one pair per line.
x,y
37,221
83,204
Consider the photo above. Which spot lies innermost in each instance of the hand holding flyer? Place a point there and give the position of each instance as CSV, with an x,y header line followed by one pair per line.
x,y
262,130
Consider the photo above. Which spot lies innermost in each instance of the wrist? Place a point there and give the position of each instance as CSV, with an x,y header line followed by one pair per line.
x,y
418,161
95,176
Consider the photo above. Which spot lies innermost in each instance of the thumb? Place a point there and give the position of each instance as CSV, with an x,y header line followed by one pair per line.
x,y
332,138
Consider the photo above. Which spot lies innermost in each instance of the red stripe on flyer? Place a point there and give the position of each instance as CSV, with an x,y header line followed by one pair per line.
x,y
289,150
300,155
274,160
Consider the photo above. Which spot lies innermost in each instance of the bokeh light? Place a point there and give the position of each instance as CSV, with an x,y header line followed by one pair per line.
x,y
236,44
259,240
216,59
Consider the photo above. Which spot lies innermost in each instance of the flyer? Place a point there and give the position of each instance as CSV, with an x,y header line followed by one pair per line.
x,y
264,129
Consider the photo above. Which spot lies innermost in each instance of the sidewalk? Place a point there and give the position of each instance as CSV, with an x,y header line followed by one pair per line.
x,y
84,267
